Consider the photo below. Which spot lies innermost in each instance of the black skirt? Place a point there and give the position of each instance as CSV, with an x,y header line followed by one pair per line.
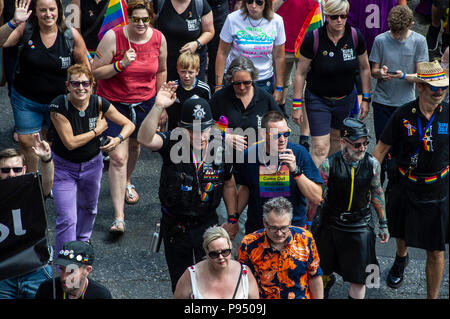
x,y
418,213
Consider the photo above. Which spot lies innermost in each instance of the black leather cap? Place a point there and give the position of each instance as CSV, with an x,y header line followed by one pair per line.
x,y
354,129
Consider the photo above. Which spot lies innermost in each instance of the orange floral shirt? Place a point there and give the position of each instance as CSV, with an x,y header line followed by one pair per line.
x,y
282,274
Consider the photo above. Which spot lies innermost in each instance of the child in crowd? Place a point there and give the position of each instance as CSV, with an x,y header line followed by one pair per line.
x,y
188,67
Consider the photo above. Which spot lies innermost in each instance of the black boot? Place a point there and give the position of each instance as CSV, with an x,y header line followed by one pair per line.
x,y
395,276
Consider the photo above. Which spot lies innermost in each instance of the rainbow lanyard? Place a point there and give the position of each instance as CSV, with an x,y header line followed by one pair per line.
x,y
427,147
198,166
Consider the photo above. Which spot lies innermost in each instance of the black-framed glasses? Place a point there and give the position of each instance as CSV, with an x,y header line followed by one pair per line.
x,y
274,229
278,135
258,2
238,83
336,16
76,84
143,19
358,145
215,253
6,170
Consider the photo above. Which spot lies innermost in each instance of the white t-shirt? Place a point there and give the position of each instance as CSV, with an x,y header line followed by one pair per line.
x,y
253,39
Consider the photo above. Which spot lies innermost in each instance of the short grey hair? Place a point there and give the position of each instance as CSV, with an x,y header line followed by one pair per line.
x,y
279,206
241,64
213,233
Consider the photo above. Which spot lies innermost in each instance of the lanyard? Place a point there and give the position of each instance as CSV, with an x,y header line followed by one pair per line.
x,y
415,156
198,166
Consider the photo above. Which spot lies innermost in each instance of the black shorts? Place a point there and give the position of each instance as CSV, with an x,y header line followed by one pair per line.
x,y
418,213
349,254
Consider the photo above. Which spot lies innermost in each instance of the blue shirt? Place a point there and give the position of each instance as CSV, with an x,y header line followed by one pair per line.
x,y
249,174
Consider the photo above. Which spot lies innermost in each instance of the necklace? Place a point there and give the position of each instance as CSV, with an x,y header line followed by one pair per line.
x,y
256,25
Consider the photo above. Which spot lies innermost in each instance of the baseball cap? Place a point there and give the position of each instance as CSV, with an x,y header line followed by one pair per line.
x,y
75,252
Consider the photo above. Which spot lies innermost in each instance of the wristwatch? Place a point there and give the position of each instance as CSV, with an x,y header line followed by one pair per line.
x,y
367,99
120,138
199,45
297,172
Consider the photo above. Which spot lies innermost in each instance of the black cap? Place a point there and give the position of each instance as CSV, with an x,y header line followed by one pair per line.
x,y
75,252
196,109
354,129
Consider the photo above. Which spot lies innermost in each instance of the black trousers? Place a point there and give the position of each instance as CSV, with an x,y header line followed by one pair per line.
x,y
183,240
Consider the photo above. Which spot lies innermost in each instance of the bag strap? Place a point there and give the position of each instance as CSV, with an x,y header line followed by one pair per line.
x,y
239,281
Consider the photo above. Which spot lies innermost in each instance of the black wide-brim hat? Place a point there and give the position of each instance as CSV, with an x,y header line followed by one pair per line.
x,y
354,129
196,113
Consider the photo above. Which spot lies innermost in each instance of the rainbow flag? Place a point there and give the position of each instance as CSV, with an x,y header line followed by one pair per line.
x,y
115,16
313,21
222,124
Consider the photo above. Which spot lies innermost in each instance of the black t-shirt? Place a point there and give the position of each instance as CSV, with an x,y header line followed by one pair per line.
x,y
90,10
80,125
225,102
43,71
333,68
201,89
94,290
180,29
402,132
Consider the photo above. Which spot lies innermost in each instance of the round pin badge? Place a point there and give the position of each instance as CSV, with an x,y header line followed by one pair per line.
x,y
413,110
325,53
81,113
331,54
79,258
66,252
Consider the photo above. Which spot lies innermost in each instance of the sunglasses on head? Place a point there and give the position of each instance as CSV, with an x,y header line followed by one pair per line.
x,y
137,19
358,145
336,16
258,2
238,83
76,84
6,170
215,253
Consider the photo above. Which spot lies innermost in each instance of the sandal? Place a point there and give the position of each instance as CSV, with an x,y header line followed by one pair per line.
x,y
131,196
116,227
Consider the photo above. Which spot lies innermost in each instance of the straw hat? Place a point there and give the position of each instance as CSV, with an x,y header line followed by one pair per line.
x,y
430,73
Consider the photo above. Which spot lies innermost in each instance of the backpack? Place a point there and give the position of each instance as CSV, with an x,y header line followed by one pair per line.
x,y
316,39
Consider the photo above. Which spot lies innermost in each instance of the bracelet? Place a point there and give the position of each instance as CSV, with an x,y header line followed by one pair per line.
x,y
118,66
120,138
367,95
403,76
296,104
219,85
95,133
279,88
12,26
48,160
233,219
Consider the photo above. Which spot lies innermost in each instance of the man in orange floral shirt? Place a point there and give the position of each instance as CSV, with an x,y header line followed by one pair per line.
x,y
283,258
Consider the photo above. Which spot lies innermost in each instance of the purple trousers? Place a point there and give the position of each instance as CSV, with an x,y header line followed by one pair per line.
x,y
76,188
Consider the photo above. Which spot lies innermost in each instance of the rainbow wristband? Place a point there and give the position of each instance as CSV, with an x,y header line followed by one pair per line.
x,y
117,67
12,26
297,104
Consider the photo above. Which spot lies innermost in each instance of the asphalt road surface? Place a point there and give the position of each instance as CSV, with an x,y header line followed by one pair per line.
x,y
127,267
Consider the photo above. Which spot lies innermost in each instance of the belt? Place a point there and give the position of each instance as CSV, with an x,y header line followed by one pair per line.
x,y
349,216
426,179
331,98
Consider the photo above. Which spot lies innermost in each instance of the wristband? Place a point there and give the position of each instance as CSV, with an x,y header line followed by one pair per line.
x,y
308,223
120,138
297,104
12,26
118,66
383,223
219,85
366,95
403,76
279,88
233,219
48,160
95,133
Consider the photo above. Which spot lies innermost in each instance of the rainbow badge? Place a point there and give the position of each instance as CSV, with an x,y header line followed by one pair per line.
x,y
410,129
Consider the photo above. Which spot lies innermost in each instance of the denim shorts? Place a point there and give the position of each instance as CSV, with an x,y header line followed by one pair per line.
x,y
26,286
324,114
29,116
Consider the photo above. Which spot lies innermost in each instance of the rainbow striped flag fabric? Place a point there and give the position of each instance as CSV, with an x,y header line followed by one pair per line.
x,y
115,16
313,21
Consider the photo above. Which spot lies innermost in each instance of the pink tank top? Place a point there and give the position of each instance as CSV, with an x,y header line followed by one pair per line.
x,y
137,83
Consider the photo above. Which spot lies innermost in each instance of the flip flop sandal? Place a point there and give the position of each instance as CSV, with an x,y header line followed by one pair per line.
x,y
116,228
131,196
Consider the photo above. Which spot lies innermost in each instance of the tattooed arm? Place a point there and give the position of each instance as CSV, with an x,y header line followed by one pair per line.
x,y
377,199
324,170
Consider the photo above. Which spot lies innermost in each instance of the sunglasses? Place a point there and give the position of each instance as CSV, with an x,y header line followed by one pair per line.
x,y
143,19
336,16
358,145
283,229
437,88
238,83
278,135
6,170
77,84
258,2
215,253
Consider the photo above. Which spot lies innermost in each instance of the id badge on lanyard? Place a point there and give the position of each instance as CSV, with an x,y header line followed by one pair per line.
x,y
425,139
